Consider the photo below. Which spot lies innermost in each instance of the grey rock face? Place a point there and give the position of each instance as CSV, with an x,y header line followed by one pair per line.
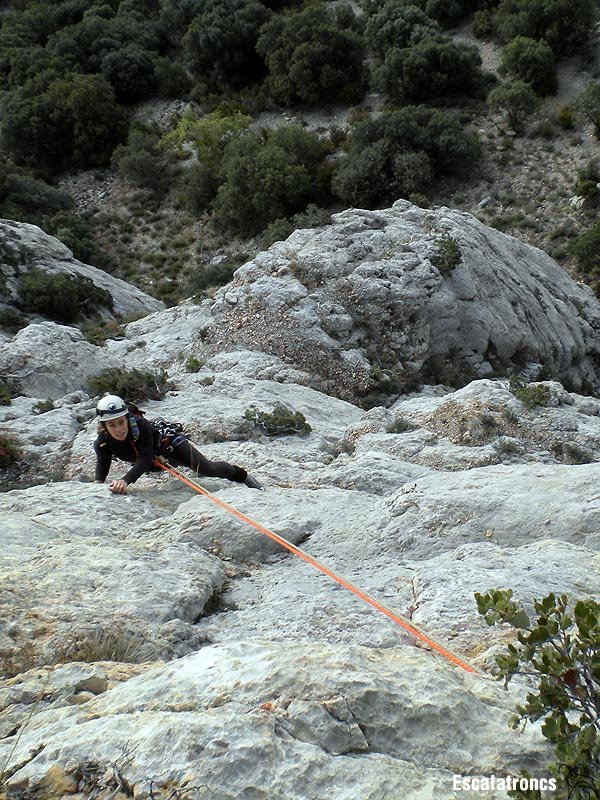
x,y
407,294
48,361
153,642
289,684
24,247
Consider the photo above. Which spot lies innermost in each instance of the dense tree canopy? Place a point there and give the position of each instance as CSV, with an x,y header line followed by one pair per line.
x,y
564,24
268,175
446,12
220,44
312,57
434,67
72,122
399,153
397,25
130,71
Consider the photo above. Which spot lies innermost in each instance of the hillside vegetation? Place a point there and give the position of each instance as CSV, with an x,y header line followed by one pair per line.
x,y
165,141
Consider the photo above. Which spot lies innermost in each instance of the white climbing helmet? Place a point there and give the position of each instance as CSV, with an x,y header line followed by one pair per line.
x,y
111,406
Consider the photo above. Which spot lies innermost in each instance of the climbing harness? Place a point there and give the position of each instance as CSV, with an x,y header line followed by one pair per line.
x,y
407,626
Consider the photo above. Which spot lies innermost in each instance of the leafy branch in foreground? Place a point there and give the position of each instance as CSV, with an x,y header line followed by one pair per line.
x,y
560,651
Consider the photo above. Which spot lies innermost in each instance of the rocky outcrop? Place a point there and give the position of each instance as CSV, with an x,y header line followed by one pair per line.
x,y
49,361
154,646
25,247
286,684
382,300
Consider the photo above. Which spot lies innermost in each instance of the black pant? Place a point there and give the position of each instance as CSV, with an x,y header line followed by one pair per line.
x,y
186,455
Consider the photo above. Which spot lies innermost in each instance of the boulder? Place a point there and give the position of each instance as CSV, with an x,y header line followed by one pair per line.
x,y
48,361
25,247
382,300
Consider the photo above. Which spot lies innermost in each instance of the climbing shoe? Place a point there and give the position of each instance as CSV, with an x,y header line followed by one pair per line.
x,y
251,483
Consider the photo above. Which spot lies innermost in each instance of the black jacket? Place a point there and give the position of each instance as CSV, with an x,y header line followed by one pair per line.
x,y
140,452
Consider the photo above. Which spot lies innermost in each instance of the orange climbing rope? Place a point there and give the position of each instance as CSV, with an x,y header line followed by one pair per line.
x,y
325,570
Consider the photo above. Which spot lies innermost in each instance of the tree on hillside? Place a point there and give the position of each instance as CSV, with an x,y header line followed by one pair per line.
x,y
175,18
445,12
141,161
312,57
207,137
586,249
530,61
130,71
220,45
588,104
268,175
102,31
397,25
73,122
564,24
434,67
399,153
26,198
171,78
517,99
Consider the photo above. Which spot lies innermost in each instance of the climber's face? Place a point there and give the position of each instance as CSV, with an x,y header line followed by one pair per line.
x,y
118,428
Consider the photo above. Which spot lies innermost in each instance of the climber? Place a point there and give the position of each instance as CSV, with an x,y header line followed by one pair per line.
x,y
124,433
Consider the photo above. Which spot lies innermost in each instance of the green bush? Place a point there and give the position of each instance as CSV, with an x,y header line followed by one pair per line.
x,y
143,162
11,320
98,332
530,61
586,249
565,26
210,275
72,122
130,71
5,393
75,232
175,19
399,153
482,24
312,217
208,136
432,68
397,25
447,255
312,57
449,13
43,407
131,384
559,653
445,12
279,422
572,453
268,175
28,199
9,451
565,117
588,104
61,297
531,395
193,364
172,80
588,178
